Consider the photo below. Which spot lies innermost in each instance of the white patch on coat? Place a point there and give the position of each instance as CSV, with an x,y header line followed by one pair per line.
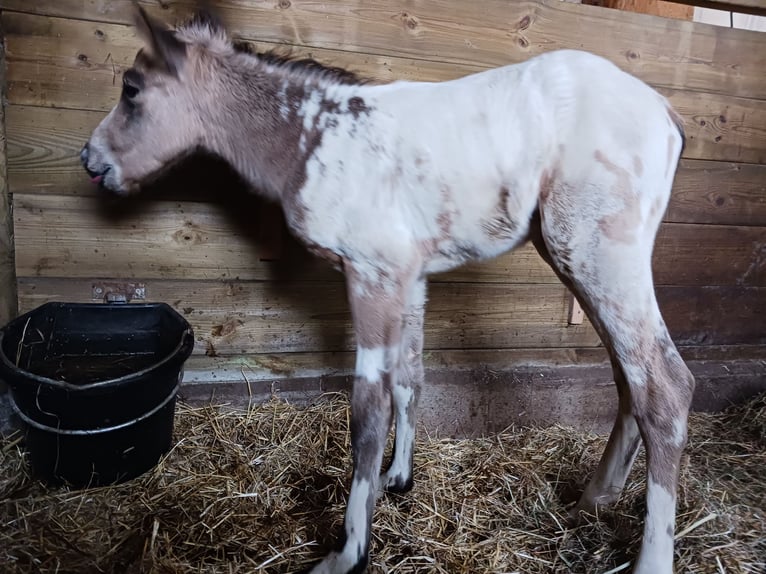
x,y
284,105
370,364
656,556
309,110
420,159
356,526
679,430
400,469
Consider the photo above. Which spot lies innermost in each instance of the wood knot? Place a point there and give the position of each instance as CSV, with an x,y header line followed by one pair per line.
x,y
525,22
410,22
717,139
703,123
284,4
722,119
99,34
523,42
82,57
633,55
189,235
719,201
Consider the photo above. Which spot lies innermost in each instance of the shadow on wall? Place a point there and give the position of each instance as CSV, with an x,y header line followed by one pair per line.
x,y
207,179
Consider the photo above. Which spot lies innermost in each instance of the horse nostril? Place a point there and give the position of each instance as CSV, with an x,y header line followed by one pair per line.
x,y
84,155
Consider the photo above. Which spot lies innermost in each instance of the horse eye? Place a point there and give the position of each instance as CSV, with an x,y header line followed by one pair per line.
x,y
129,90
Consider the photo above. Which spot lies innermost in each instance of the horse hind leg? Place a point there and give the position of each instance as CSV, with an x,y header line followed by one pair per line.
x,y
406,393
610,477
612,276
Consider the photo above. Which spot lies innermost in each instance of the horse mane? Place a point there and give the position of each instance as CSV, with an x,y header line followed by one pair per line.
x,y
305,67
205,28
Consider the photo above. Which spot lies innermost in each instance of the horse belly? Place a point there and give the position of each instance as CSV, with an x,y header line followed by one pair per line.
x,y
483,225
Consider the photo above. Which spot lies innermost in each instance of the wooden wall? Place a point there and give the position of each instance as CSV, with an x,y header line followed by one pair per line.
x,y
266,312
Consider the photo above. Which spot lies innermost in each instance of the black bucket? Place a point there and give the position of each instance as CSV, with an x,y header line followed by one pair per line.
x,y
96,385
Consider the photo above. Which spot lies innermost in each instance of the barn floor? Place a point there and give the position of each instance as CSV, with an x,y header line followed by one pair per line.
x,y
249,492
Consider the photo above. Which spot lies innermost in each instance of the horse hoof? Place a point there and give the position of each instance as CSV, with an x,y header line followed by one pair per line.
x,y
397,485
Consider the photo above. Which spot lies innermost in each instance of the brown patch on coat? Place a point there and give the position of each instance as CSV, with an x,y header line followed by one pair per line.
x,y
357,107
546,181
620,226
327,254
500,225
660,402
377,305
371,413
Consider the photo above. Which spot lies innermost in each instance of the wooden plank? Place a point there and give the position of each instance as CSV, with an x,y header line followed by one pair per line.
x,y
242,317
73,64
710,255
245,317
8,304
64,236
718,192
78,64
733,129
714,315
663,52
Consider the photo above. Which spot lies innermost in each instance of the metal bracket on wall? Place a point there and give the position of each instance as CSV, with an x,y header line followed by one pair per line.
x,y
576,314
117,292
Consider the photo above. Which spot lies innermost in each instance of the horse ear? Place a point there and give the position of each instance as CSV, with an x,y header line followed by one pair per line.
x,y
168,49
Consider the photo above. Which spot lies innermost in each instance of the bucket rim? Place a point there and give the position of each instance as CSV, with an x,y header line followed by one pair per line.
x,y
177,354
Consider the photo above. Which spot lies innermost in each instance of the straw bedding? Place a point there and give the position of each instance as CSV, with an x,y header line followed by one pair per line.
x,y
263,491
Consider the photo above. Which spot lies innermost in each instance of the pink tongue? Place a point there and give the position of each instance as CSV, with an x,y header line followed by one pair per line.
x,y
96,179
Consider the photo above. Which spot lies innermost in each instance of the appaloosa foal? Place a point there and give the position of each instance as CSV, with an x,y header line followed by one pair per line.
x,y
394,182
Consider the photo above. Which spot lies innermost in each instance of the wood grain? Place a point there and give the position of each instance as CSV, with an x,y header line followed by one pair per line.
x,y
245,317
79,64
62,236
731,130
714,315
7,267
718,192
73,64
242,317
661,51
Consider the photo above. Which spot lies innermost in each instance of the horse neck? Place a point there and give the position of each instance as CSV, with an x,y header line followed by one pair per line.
x,y
265,126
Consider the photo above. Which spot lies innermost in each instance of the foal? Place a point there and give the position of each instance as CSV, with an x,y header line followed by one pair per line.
x,y
393,182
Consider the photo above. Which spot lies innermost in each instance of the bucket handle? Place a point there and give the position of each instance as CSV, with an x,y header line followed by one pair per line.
x,y
89,432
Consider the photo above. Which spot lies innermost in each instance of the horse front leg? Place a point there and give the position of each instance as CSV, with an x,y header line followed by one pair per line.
x,y
378,317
